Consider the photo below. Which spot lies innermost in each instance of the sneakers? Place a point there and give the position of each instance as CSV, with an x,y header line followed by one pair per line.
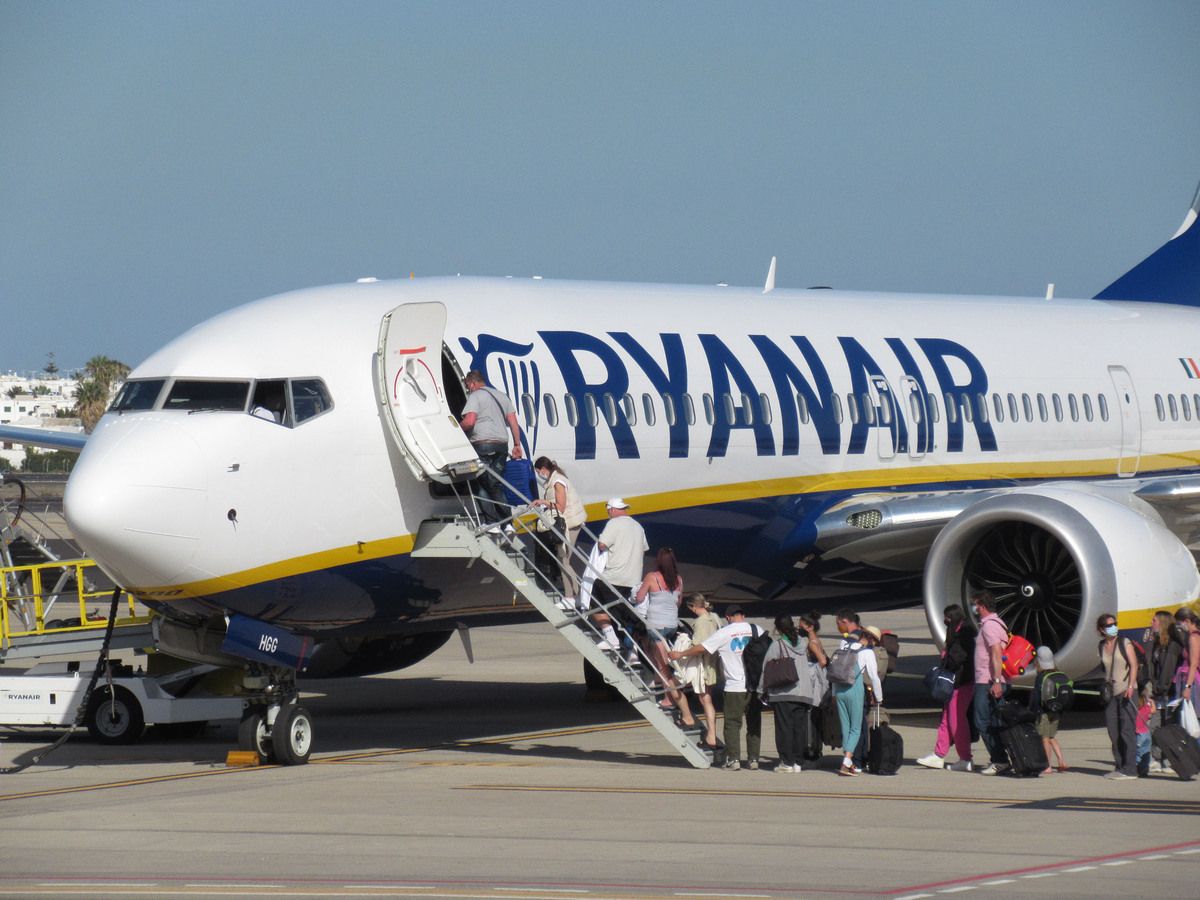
x,y
633,660
1156,767
608,645
963,765
848,768
732,765
786,769
995,769
752,765
1120,776
932,761
565,604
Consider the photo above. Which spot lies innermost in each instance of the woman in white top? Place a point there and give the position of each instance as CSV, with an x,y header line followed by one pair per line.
x,y
662,588
560,496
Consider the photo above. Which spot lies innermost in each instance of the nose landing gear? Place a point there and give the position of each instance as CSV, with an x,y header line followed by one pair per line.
x,y
275,725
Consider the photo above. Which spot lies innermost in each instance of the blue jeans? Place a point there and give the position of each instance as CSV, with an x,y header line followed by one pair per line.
x,y
984,705
1143,753
493,502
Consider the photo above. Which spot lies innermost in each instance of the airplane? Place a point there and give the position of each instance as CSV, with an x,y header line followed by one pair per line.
x,y
799,449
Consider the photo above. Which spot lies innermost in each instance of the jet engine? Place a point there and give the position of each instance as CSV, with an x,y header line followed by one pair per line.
x,y
346,657
1056,557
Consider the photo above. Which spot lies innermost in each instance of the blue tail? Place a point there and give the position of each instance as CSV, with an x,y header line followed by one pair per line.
x,y
1171,274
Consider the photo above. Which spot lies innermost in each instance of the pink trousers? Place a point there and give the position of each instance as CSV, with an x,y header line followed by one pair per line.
x,y
954,727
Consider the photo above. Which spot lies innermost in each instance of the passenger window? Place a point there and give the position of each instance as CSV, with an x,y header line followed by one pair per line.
x,y
689,410
610,409
935,413
764,403
1043,411
802,404
852,406
1073,407
981,407
572,409
1158,406
998,406
951,409
551,409
709,412
1103,403
885,409
1058,408
914,406
630,409
669,409
728,410
968,412
748,409
1185,404
310,398
1014,412
1087,407
648,409
197,396
837,409
868,409
589,409
1174,407
527,407
1028,407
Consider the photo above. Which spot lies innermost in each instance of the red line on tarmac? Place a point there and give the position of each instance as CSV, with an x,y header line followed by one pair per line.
x,y
1042,868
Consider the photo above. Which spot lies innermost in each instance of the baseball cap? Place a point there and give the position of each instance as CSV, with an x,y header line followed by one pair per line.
x,y
734,610
1045,657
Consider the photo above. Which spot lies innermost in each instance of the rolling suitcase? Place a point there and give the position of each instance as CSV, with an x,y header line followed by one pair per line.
x,y
1179,749
885,749
1025,750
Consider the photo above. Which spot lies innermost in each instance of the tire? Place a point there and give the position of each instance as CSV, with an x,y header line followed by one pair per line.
x,y
292,735
116,717
252,735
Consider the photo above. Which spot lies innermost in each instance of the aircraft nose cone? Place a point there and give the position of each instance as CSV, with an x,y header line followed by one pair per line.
x,y
136,500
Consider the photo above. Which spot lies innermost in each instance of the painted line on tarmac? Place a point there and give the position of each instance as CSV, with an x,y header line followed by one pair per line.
x,y
731,792
337,759
1049,870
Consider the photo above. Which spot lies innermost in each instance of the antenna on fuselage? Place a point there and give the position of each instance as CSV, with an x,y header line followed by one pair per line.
x,y
770,285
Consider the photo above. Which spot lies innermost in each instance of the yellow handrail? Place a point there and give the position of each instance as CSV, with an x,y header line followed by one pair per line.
x,y
22,590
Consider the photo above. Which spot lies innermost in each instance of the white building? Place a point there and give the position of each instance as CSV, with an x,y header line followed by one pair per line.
x,y
35,401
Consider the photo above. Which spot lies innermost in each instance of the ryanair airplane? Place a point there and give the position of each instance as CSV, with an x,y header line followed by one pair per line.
x,y
799,449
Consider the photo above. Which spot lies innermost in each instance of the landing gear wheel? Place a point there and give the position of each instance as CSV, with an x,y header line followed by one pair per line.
x,y
115,718
292,735
252,735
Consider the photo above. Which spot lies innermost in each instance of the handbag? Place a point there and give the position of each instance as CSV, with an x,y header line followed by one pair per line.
x,y
1188,719
551,536
780,672
1106,692
940,684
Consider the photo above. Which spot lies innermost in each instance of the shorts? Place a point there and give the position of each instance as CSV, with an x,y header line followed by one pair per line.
x,y
662,634
1047,725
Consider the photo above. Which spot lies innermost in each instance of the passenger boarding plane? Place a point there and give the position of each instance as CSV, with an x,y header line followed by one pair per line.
x,y
799,449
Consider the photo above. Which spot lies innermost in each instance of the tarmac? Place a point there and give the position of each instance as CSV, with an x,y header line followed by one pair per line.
x,y
495,779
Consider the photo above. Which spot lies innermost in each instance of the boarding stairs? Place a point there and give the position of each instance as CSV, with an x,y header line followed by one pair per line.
x,y
511,555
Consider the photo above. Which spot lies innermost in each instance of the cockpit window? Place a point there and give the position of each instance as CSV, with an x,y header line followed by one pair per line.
x,y
208,395
310,398
136,395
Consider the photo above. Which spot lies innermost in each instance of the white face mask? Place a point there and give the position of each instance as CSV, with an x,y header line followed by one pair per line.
x,y
1111,631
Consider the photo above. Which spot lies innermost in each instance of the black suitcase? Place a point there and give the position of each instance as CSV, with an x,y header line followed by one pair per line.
x,y
885,749
1179,749
1026,753
812,752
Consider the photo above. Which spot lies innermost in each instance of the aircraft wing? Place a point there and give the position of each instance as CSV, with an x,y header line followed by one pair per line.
x,y
43,437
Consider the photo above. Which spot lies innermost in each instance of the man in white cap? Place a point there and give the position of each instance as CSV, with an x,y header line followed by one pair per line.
x,y
624,542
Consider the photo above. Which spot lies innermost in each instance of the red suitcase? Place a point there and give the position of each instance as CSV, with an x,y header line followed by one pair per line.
x,y
1017,654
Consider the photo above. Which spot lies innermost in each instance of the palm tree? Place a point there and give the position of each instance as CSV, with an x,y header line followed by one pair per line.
x,y
105,371
90,402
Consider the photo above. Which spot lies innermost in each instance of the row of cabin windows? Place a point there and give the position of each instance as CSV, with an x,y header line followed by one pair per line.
x,y
1176,408
751,409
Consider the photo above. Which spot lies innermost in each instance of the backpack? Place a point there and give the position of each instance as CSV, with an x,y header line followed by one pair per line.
x,y
1058,692
753,655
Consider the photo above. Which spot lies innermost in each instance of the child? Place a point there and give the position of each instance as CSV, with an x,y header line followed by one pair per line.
x,y
1141,728
1047,722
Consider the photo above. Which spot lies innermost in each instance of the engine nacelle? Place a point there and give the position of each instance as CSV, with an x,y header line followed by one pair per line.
x,y
1056,557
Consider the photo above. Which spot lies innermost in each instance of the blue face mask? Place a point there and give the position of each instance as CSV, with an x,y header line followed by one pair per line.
x,y
1111,631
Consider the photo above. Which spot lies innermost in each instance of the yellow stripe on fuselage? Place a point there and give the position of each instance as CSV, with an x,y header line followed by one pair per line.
x,y
711,495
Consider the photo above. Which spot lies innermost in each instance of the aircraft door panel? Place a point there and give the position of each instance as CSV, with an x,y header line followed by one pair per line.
x,y
413,401
887,429
1131,422
915,408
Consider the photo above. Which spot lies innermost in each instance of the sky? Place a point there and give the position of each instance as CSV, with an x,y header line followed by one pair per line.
x,y
161,162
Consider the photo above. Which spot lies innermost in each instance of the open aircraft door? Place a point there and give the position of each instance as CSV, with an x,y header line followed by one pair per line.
x,y
407,369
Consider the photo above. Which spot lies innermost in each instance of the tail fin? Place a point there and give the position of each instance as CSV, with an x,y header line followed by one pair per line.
x,y
1171,274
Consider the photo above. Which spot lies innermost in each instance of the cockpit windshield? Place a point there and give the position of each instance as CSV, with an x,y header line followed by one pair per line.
x,y
135,395
208,395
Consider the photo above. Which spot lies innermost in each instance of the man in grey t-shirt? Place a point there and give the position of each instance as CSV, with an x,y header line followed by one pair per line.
x,y
488,418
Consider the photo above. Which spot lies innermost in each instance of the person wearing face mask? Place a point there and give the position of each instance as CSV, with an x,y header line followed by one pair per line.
x,y
953,728
1120,686
991,684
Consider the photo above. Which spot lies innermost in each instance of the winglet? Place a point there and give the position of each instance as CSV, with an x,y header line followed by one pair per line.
x,y
770,285
1171,274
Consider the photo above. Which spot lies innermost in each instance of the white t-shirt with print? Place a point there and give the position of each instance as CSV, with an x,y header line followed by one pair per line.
x,y
728,643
